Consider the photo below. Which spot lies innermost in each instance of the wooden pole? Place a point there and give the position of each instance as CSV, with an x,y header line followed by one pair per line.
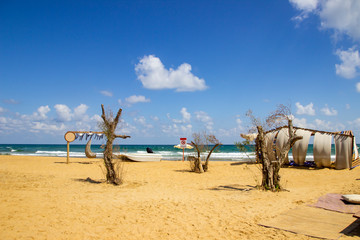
x,y
68,148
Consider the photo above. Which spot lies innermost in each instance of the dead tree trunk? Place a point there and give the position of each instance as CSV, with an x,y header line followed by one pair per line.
x,y
208,156
109,130
270,169
197,161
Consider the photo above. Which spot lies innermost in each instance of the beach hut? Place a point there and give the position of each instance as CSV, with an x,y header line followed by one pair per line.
x,y
346,151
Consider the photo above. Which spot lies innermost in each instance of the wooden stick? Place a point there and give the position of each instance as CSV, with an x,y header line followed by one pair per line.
x,y
68,148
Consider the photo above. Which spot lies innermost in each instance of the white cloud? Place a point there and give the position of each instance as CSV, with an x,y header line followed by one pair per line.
x,y
153,75
106,93
186,116
355,123
205,118
302,122
63,112
41,112
329,112
63,119
80,112
96,118
305,5
342,16
350,63
358,87
323,125
347,106
41,126
239,125
136,99
126,128
142,120
2,110
305,110
133,100
177,130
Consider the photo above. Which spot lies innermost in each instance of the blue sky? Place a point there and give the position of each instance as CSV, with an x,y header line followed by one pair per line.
x,y
176,67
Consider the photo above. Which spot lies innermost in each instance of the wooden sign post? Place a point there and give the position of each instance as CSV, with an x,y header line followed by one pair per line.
x,y
69,137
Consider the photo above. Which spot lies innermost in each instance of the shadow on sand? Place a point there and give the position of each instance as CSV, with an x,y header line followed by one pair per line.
x,y
74,162
88,180
234,187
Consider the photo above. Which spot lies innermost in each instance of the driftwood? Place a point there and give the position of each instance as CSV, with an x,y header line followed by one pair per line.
x,y
88,152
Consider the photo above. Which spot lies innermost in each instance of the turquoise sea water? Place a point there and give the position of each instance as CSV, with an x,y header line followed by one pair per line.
x,y
168,152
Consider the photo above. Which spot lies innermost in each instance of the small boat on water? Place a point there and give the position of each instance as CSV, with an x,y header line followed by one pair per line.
x,y
143,157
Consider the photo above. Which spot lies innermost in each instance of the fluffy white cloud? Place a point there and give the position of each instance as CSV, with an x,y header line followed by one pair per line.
x,y
80,112
2,110
153,75
323,125
62,120
329,112
302,122
205,118
350,62
42,111
305,5
106,93
305,110
358,87
63,112
186,116
342,16
136,99
40,114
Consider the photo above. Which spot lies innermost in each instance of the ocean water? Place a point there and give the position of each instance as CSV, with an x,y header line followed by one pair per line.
x,y
168,152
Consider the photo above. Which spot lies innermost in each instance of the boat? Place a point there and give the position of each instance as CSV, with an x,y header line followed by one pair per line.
x,y
143,157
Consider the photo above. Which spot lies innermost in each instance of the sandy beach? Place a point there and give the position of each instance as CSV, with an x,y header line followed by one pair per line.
x,y
44,198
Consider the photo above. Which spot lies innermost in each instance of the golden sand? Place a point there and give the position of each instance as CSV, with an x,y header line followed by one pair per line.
x,y
44,198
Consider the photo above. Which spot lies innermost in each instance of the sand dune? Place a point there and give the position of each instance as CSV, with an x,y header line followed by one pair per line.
x,y
44,198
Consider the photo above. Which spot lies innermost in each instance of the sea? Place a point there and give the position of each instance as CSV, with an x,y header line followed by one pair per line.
x,y
168,152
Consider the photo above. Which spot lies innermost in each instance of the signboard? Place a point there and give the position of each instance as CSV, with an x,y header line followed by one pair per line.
x,y
183,142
